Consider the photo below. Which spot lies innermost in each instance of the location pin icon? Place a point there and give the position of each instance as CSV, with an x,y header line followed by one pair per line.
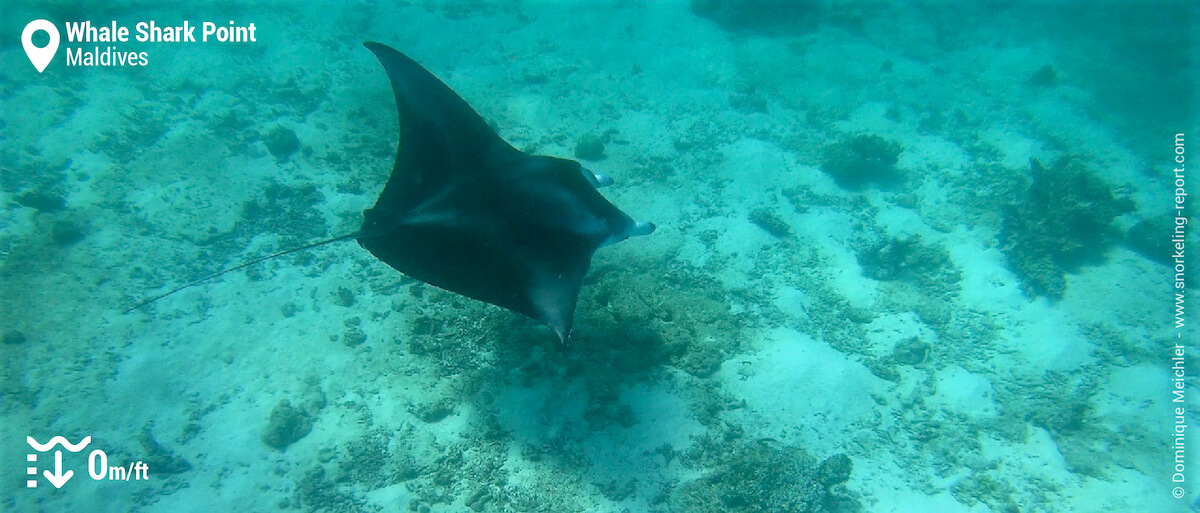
x,y
40,57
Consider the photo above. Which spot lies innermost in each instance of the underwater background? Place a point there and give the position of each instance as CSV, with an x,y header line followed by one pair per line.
x,y
912,256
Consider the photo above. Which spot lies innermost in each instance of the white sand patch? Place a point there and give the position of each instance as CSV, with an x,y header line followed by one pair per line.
x,y
986,281
643,136
890,488
965,393
754,169
1017,147
802,389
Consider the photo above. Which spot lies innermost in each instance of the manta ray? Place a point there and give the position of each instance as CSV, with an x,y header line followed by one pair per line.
x,y
466,212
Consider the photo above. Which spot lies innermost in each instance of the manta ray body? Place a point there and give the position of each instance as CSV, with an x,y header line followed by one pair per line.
x,y
465,211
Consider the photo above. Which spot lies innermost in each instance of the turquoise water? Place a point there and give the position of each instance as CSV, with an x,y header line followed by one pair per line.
x,y
908,259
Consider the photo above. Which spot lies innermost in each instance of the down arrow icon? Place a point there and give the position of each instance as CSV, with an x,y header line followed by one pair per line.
x,y
58,478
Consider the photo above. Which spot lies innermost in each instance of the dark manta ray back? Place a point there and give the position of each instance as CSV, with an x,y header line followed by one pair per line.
x,y
465,211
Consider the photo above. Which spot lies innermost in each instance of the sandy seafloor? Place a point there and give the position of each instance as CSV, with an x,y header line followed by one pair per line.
x,y
715,366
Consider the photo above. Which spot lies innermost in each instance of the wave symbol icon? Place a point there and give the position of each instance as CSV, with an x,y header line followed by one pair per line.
x,y
57,441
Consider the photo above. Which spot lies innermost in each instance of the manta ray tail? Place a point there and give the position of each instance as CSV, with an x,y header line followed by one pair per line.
x,y
243,265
